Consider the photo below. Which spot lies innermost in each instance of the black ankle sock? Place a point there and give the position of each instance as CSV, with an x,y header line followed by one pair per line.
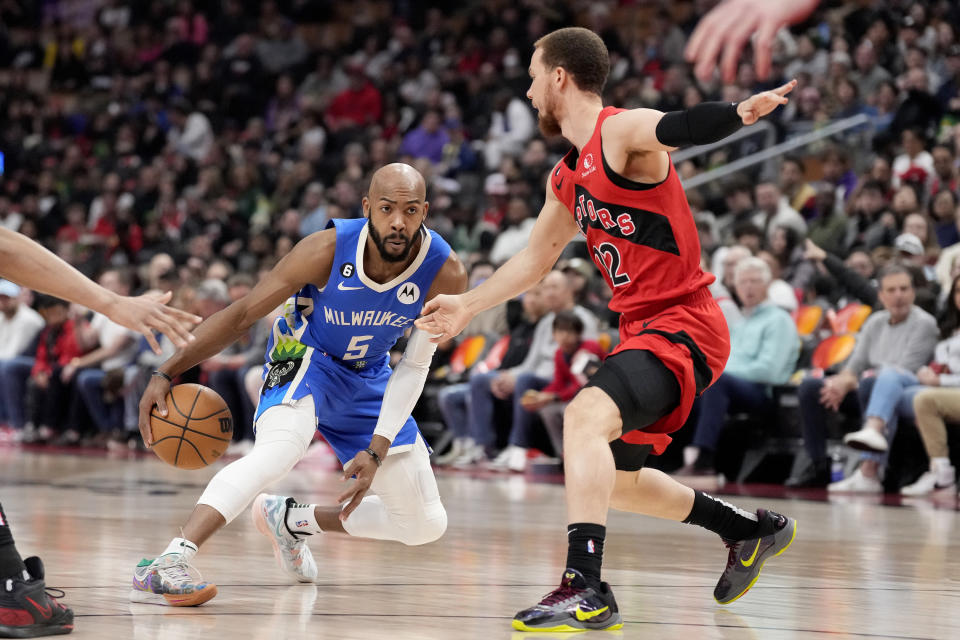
x,y
585,549
11,564
726,520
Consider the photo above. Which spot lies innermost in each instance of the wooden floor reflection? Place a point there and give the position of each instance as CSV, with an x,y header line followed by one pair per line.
x,y
857,569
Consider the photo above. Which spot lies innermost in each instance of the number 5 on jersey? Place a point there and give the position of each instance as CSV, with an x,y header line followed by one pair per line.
x,y
357,347
608,255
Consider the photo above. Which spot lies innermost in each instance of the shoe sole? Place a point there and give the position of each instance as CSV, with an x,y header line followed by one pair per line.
x,y
793,536
194,599
35,630
261,524
862,446
566,628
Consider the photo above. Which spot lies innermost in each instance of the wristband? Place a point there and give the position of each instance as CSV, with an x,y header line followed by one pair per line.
x,y
373,454
161,374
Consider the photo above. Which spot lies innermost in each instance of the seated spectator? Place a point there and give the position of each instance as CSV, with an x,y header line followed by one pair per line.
x,y
943,204
779,292
49,393
535,372
852,278
453,400
901,335
517,226
764,348
799,193
828,225
427,140
786,245
19,326
893,397
774,211
574,361
933,407
722,288
99,373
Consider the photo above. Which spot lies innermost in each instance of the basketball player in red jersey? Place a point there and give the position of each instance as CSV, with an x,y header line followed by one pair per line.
x,y
618,187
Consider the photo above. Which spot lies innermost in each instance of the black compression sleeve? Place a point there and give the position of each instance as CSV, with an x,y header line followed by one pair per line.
x,y
705,123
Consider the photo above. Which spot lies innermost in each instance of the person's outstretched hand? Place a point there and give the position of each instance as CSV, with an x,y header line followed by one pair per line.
x,y
728,27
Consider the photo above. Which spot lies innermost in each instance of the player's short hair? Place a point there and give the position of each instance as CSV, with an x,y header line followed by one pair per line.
x,y
567,321
581,53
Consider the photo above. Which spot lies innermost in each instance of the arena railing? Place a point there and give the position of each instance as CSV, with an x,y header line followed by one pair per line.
x,y
770,150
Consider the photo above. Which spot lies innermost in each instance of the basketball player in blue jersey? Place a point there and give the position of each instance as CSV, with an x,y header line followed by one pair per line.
x,y
353,290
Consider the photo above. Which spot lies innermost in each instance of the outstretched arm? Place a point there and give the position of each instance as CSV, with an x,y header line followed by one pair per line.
x,y
445,316
643,130
27,263
402,392
309,261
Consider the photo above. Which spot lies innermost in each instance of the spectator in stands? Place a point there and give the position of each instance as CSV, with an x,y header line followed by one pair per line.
x,y
850,280
99,372
901,335
763,352
946,176
511,125
427,140
828,224
49,393
19,326
868,74
722,288
535,372
774,211
453,400
574,362
915,163
799,193
738,196
779,293
786,245
190,133
893,397
517,226
358,105
943,204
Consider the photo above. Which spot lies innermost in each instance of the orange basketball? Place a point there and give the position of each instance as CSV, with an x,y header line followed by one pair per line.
x,y
197,429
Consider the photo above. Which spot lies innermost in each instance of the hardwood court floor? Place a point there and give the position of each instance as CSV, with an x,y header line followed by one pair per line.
x,y
856,570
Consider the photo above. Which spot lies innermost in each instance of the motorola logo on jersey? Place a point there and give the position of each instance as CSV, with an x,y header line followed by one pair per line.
x,y
639,226
347,269
408,293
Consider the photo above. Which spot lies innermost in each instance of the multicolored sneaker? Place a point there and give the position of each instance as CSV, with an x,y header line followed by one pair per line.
x,y
573,606
170,580
27,610
746,557
292,553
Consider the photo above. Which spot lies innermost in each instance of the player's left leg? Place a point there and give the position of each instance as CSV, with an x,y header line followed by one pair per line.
x,y
405,505
26,610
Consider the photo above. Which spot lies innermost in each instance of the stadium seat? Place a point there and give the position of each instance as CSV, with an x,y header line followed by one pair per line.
x,y
833,351
467,353
808,319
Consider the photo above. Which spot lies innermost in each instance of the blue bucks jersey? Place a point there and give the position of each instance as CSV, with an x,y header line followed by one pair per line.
x,y
334,342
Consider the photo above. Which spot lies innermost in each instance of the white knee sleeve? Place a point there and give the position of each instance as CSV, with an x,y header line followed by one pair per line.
x,y
406,506
283,434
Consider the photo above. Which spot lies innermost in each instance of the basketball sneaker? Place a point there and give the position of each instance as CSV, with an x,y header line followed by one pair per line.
x,y
573,606
292,553
27,610
170,580
746,557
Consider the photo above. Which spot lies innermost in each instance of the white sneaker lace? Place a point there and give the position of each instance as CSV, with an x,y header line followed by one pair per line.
x,y
175,571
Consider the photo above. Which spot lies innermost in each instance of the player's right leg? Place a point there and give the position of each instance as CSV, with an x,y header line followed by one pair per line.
x,y
283,434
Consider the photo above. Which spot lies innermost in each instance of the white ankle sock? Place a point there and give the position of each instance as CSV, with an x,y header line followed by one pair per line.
x,y
942,468
302,519
182,546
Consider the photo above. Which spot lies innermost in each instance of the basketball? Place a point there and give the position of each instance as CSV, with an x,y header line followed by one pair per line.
x,y
197,429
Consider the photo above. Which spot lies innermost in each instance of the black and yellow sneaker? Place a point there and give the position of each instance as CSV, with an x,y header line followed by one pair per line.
x,y
746,557
27,610
573,606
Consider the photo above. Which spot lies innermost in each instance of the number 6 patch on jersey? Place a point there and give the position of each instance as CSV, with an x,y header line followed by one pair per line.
x,y
281,373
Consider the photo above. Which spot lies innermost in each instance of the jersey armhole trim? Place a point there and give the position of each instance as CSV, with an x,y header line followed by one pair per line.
x,y
626,183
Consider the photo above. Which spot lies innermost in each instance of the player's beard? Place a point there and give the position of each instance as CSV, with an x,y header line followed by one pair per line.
x,y
547,116
382,243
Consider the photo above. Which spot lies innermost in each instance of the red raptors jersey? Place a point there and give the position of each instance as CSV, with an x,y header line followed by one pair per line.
x,y
642,236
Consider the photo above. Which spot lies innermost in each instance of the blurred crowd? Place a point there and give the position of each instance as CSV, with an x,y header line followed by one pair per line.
x,y
186,146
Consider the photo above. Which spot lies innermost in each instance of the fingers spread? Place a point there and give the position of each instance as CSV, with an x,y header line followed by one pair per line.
x,y
151,340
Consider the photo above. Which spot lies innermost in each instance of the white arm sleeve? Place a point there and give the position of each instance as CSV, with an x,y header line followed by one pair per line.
x,y
405,385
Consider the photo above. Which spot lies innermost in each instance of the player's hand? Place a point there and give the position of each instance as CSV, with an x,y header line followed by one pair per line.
x,y
728,27
444,317
759,105
148,313
364,467
154,395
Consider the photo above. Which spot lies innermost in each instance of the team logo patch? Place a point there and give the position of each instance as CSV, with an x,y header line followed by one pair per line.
x,y
408,293
347,269
588,161
281,373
